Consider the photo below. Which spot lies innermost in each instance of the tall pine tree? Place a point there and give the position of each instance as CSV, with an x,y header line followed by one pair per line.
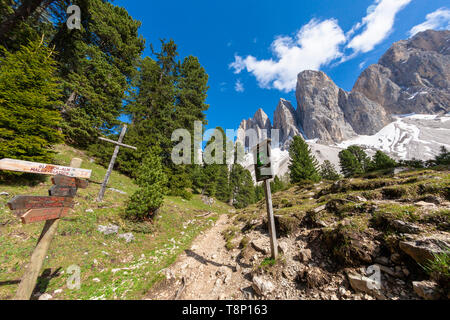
x,y
242,188
303,166
353,161
29,95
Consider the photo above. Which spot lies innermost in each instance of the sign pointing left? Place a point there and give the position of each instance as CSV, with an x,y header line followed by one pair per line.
x,y
42,168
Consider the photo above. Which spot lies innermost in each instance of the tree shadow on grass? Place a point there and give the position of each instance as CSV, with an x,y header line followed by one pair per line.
x,y
43,282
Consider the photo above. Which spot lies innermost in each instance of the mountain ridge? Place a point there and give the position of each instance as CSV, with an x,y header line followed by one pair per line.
x,y
411,77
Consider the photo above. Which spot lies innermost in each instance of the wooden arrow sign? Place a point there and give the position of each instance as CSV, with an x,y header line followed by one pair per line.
x,y
44,214
37,202
63,191
69,182
42,168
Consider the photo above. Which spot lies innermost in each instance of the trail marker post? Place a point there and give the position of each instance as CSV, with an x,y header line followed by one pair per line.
x,y
263,172
118,144
50,209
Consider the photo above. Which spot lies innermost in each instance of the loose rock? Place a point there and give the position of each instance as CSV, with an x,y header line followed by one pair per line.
x,y
262,286
45,296
427,290
107,230
128,237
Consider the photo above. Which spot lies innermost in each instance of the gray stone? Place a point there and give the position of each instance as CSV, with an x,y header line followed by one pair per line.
x,y
128,237
261,245
109,229
382,260
304,255
363,284
45,296
320,209
427,290
283,247
405,227
262,286
423,250
5,194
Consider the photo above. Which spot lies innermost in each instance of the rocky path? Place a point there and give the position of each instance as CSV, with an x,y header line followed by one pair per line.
x,y
207,271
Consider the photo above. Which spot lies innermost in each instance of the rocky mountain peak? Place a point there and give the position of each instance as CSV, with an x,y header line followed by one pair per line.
x,y
318,111
261,125
262,119
413,76
285,120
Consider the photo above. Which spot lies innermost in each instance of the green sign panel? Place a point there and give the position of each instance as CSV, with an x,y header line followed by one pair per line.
x,y
263,166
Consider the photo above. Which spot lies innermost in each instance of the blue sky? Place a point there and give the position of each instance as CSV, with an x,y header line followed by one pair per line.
x,y
252,50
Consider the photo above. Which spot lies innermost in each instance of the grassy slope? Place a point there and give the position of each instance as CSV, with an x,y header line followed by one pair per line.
x,y
120,270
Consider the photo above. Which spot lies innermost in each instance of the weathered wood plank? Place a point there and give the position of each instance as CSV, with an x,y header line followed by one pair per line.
x,y
69,182
44,214
63,191
42,168
36,202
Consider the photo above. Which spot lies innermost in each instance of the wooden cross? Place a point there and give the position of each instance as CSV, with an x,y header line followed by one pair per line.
x,y
113,160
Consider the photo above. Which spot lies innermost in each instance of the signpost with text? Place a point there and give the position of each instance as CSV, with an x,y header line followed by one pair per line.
x,y
32,209
264,172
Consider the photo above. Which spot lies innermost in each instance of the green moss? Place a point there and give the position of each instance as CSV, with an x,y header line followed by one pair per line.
x,y
244,242
439,218
386,213
286,225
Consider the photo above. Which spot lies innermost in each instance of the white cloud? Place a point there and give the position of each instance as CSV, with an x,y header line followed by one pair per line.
x,y
437,20
362,64
378,24
315,45
239,86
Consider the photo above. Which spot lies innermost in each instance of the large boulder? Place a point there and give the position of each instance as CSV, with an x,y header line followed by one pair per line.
x,y
427,290
423,250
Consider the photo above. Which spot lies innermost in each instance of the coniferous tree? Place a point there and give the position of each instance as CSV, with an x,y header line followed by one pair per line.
x,y
216,175
328,171
259,193
97,64
303,165
443,158
29,94
382,161
276,185
243,190
152,182
353,161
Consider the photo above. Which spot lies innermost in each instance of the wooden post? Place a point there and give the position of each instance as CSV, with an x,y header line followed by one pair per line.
x,y
271,220
28,282
262,154
118,144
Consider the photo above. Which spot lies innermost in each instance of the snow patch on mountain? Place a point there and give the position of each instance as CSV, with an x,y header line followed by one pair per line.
x,y
410,136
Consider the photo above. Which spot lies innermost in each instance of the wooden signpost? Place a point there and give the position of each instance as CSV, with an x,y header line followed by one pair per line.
x,y
118,144
42,168
50,209
263,172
